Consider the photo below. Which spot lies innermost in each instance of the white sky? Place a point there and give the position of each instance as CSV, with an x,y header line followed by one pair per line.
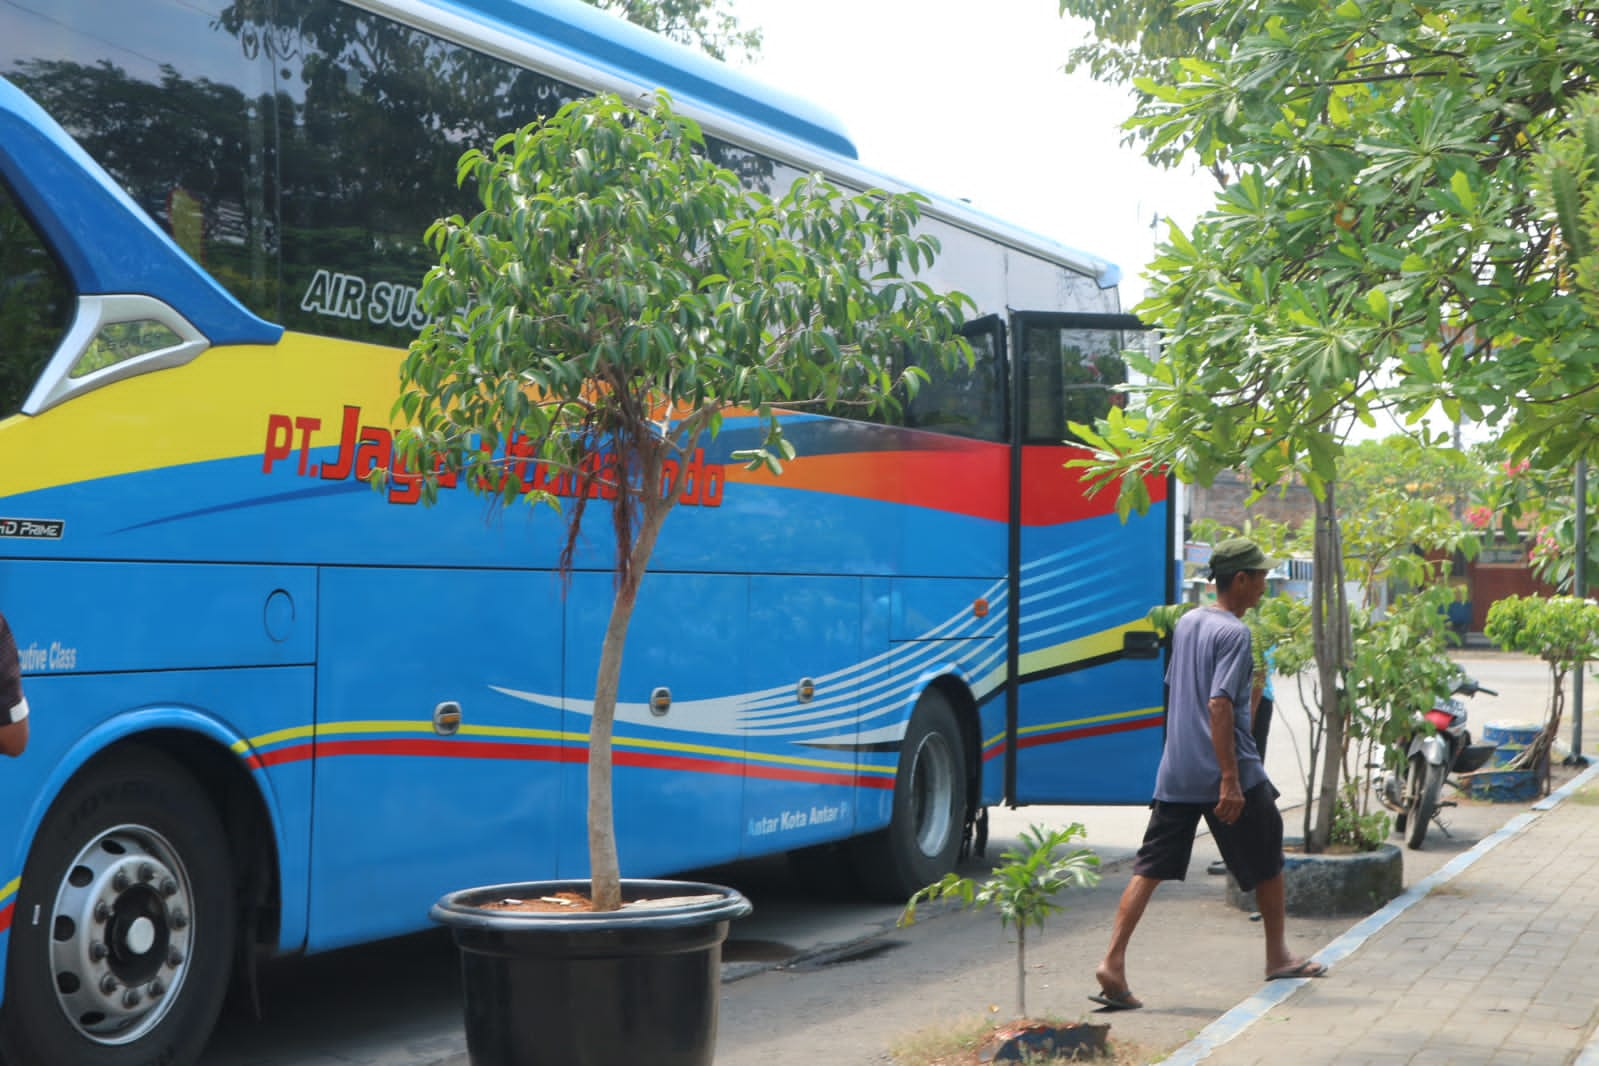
x,y
967,98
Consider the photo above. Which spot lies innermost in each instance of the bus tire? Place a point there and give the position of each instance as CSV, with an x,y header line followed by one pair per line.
x,y
122,941
923,839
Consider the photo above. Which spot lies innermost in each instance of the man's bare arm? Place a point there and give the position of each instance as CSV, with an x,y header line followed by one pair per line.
x,y
1230,802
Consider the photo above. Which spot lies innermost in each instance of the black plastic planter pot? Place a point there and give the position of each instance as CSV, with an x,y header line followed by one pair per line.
x,y
618,988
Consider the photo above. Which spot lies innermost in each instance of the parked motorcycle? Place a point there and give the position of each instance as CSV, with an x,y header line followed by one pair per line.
x,y
1414,791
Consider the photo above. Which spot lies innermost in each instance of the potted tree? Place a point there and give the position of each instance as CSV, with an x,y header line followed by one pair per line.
x,y
618,294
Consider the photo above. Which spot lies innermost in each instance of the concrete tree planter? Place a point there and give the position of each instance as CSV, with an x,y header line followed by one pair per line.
x,y
1333,886
596,988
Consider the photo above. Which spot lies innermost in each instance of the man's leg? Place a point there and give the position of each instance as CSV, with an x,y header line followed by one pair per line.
x,y
1112,971
1163,855
1280,962
1269,898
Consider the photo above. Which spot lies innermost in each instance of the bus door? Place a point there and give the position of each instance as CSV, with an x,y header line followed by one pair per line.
x,y
1086,704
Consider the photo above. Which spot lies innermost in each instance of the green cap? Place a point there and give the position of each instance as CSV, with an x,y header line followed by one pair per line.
x,y
1236,554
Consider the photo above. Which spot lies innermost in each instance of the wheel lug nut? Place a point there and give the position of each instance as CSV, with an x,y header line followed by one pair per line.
x,y
130,998
179,919
169,887
102,911
146,872
108,984
120,881
174,957
98,951
157,989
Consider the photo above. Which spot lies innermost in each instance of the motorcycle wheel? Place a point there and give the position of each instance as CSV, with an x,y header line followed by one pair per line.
x,y
1426,799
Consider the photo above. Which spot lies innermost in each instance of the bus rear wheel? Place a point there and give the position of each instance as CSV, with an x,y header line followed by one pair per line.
x,y
923,838
123,937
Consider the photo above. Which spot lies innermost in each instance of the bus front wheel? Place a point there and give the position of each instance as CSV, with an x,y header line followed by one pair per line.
x,y
923,838
124,922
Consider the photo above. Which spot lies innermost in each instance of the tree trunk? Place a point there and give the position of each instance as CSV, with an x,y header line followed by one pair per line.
x,y
1312,751
1021,970
1329,620
1536,755
605,871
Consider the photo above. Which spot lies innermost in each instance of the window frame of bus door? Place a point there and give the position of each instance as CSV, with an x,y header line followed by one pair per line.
x,y
1017,439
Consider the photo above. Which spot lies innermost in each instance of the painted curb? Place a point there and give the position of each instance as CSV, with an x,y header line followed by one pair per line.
x,y
1251,1010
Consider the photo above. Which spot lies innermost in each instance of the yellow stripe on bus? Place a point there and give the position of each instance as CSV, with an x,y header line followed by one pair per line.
x,y
1105,642
295,377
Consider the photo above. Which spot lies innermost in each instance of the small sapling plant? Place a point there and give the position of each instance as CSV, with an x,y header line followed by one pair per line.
x,y
1022,888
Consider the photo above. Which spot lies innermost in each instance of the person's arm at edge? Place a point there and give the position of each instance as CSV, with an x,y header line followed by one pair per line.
x,y
1230,802
13,738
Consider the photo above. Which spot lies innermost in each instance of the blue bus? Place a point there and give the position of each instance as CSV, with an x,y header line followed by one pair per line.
x,y
277,712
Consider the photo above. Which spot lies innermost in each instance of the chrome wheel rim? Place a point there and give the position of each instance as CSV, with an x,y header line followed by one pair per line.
x,y
120,935
932,783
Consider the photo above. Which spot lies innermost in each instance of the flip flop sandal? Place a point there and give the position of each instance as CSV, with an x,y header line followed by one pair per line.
x,y
1124,1000
1306,968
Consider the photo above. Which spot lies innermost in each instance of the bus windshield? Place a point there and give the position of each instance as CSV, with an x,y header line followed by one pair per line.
x,y
35,304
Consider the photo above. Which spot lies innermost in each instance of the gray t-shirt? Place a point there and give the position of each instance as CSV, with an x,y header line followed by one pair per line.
x,y
1210,657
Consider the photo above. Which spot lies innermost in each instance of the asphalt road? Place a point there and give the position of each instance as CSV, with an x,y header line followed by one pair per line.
x,y
396,1003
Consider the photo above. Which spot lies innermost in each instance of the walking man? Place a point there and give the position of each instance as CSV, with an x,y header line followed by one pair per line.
x,y
1210,769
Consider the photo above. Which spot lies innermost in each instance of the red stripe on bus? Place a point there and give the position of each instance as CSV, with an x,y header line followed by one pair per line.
x,y
969,481
1076,734
434,748
555,753
5,916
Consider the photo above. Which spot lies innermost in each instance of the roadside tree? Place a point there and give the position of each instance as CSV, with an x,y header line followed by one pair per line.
x,y
1563,631
1375,249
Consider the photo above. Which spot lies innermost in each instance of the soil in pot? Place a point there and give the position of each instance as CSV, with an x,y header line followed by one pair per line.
x,y
566,902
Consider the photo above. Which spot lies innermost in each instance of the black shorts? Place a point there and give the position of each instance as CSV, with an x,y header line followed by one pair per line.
x,y
1252,847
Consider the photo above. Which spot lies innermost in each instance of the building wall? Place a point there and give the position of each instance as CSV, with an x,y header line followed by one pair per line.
x,y
1491,582
1487,580
1223,502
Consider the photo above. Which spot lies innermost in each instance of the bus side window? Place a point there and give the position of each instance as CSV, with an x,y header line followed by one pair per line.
x,y
964,401
36,304
1067,376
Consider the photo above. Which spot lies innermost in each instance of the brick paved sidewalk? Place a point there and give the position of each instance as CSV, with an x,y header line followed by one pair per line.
x,y
1498,962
